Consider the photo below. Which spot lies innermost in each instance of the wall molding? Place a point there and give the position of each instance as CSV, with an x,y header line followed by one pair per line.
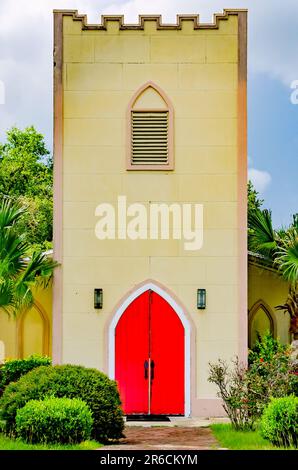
x,y
170,109
261,304
242,186
45,327
58,188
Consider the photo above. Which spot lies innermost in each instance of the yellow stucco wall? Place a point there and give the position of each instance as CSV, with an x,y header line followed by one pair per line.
x,y
22,337
264,285
198,72
8,335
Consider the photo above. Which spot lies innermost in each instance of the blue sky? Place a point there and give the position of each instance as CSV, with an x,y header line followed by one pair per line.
x,y
273,143
26,73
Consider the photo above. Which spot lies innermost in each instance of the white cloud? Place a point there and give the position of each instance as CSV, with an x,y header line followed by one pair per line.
x,y
26,45
260,179
272,28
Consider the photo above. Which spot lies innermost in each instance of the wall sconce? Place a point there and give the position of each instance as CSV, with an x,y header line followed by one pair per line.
x,y
98,297
201,299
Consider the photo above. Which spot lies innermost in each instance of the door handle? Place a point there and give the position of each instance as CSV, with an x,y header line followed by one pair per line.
x,y
146,367
152,365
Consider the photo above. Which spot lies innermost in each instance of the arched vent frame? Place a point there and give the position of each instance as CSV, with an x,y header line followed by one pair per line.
x,y
168,110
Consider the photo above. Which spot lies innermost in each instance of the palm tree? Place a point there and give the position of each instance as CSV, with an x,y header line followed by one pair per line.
x,y
279,247
19,273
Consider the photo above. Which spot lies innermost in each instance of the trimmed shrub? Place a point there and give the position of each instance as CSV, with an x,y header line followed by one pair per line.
x,y
54,420
92,386
279,423
12,370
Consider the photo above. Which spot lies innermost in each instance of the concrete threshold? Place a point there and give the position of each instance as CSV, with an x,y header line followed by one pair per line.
x,y
180,421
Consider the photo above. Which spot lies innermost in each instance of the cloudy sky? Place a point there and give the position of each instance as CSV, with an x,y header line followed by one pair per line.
x,y
26,76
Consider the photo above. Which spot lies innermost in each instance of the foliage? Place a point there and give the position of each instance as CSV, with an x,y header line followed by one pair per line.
x,y
272,360
7,443
231,439
272,378
54,420
246,392
253,199
279,422
262,238
12,370
280,247
37,222
95,388
18,272
291,306
26,173
234,388
265,349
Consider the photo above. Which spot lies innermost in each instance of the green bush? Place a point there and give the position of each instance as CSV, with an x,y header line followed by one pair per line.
x,y
266,348
12,370
276,376
92,386
246,392
279,423
237,391
54,420
271,360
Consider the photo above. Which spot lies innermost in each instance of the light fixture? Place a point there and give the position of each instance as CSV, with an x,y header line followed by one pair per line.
x,y
98,297
201,299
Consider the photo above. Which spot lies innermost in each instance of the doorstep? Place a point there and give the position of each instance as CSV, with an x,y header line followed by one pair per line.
x,y
180,421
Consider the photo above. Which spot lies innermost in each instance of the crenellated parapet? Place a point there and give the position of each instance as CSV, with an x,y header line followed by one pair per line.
x,y
152,19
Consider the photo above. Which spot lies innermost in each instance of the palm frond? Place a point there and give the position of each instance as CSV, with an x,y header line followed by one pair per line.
x,y
7,298
291,304
39,265
19,273
10,212
23,298
287,256
37,273
13,248
262,237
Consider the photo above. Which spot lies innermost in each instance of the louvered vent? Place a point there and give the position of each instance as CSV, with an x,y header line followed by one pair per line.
x,y
150,137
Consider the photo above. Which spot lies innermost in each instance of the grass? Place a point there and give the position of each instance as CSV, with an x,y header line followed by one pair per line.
x,y
240,440
17,444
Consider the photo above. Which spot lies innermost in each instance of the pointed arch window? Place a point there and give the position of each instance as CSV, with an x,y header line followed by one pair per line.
x,y
33,332
150,130
260,321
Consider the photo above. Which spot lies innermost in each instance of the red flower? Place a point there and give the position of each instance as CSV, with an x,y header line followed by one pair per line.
x,y
261,359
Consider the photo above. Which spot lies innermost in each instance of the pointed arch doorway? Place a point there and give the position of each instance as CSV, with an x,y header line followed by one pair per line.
x,y
149,341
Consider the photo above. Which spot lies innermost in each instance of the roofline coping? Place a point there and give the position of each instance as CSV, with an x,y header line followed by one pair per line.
x,y
217,17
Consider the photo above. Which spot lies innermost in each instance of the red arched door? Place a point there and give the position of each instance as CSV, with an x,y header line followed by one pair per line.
x,y
149,357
